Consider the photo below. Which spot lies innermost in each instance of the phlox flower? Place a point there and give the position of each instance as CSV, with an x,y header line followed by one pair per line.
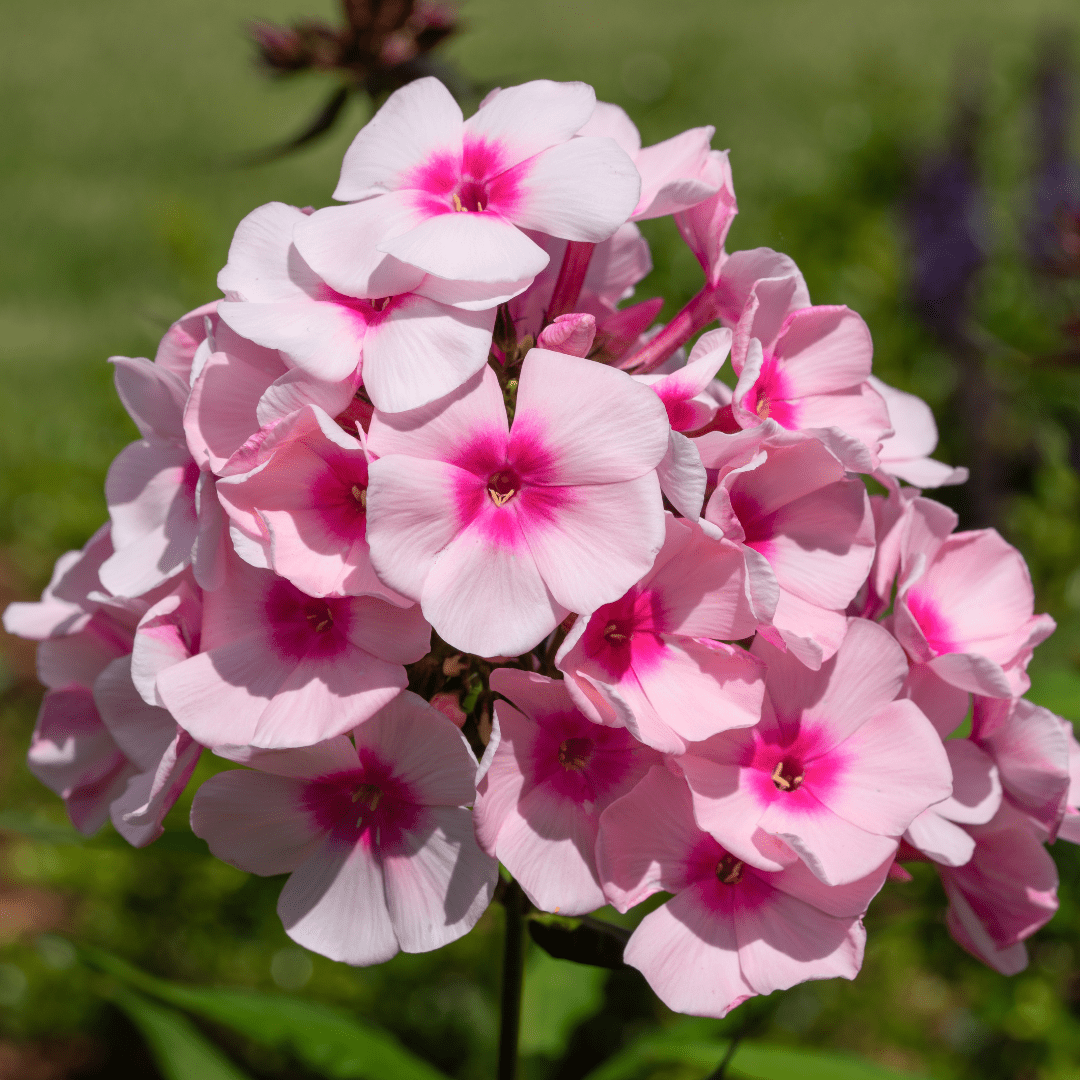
x,y
1003,894
376,837
279,668
551,774
410,349
498,531
300,508
453,197
653,661
730,930
834,773
812,375
805,528
965,603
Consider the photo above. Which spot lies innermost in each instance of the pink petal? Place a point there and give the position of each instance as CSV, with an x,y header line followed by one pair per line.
x,y
260,269
524,120
599,424
416,122
682,476
334,904
466,247
423,351
439,888
138,813
153,396
941,840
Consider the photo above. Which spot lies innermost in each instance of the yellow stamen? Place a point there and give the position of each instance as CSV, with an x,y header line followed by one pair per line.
x,y
728,874
457,204
501,498
782,782
613,633
360,495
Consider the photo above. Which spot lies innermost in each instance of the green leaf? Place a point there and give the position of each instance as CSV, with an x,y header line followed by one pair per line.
x,y
325,1039
180,1050
558,996
589,941
685,1045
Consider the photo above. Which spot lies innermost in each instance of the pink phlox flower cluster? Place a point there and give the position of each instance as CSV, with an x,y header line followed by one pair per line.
x,y
424,486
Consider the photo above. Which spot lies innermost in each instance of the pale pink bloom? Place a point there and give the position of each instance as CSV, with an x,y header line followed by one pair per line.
x,y
301,506
540,795
1004,893
834,773
572,334
452,197
653,661
377,838
1070,823
410,349
280,668
65,606
615,267
976,796
685,391
964,604
756,290
905,453
813,375
805,527
240,387
675,173
73,754
944,705
499,531
730,931
162,755
1030,746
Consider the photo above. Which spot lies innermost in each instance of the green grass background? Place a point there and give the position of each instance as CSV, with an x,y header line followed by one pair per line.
x,y
119,125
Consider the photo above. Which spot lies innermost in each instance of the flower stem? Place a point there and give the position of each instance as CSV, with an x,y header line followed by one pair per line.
x,y
513,975
571,277
697,314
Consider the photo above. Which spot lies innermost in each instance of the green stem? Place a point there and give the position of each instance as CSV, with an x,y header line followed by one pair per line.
x,y
513,976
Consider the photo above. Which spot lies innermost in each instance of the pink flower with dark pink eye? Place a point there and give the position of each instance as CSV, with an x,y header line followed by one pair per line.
x,y
730,931
965,604
834,773
653,661
805,527
452,197
498,532
1003,894
410,349
377,837
813,375
302,506
539,802
280,668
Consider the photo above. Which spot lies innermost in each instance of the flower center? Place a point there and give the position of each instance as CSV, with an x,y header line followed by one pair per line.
x,y
502,487
360,495
368,796
729,870
575,753
763,407
470,197
787,776
321,619
616,633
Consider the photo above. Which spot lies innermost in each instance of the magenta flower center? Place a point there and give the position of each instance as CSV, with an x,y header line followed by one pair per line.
x,y
617,632
321,618
729,870
470,197
788,775
575,753
503,486
359,495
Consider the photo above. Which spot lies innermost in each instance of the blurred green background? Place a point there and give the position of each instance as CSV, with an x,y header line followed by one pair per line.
x,y
120,122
